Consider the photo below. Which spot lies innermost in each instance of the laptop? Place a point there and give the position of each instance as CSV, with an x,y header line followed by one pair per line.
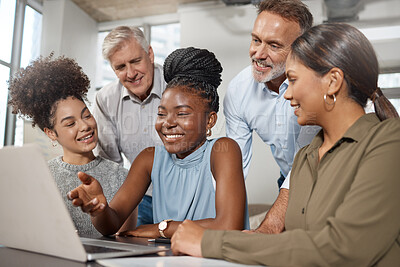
x,y
35,218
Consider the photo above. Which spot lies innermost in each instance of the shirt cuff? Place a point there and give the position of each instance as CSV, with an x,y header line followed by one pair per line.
x,y
286,183
211,244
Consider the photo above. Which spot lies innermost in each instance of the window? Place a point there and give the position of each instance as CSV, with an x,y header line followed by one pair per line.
x,y
164,40
7,15
15,53
390,84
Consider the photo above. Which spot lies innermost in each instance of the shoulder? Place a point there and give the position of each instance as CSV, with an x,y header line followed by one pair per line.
x,y
55,162
145,156
388,130
243,78
225,145
113,90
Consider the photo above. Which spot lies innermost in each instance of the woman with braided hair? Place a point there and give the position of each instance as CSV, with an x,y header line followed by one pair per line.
x,y
193,177
51,92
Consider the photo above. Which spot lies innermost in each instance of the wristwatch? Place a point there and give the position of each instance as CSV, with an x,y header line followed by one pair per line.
x,y
162,226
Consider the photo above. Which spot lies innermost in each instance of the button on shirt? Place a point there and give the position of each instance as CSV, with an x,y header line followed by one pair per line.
x,y
250,106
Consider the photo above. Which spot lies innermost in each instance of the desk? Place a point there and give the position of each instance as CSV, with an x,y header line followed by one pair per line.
x,y
19,258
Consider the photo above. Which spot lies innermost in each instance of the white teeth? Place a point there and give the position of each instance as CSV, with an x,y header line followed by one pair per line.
x,y
173,135
85,138
262,64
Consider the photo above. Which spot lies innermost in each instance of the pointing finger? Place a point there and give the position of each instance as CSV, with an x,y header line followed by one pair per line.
x,y
85,178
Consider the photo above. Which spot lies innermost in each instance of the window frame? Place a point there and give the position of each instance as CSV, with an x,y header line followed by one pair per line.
x,y
15,63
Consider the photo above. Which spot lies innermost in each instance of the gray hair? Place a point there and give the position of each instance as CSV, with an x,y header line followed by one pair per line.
x,y
118,36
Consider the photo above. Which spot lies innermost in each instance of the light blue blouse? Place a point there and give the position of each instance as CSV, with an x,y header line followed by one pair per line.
x,y
184,188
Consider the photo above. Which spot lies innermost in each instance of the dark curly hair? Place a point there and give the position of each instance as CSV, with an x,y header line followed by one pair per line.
x,y
197,70
36,90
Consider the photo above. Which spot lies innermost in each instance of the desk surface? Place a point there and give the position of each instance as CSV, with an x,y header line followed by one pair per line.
x,y
18,258
14,257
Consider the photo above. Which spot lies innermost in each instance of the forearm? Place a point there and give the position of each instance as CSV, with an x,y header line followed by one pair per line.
x,y
131,222
285,249
107,222
274,221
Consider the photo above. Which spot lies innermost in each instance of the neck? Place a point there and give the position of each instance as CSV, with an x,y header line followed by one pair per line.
x,y
337,122
78,159
274,84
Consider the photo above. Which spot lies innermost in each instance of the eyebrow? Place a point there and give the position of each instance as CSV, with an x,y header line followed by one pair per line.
x,y
254,35
274,41
177,107
71,117
288,72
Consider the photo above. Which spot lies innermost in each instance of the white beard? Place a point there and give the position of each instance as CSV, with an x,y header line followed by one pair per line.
x,y
276,71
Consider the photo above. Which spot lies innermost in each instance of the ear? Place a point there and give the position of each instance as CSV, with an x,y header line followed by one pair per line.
x,y
335,81
151,54
50,133
212,119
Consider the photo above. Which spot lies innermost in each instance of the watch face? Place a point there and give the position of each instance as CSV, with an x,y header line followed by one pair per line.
x,y
162,225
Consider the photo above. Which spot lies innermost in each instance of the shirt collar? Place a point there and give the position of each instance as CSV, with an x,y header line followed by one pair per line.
x,y
282,88
355,133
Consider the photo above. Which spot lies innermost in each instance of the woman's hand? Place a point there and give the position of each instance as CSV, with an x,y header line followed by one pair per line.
x,y
89,195
187,239
147,230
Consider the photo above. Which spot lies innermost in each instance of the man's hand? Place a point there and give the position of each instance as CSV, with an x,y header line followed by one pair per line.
x,y
89,195
274,222
187,239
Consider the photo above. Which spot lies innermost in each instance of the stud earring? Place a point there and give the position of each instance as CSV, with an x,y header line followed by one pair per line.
x,y
209,132
54,143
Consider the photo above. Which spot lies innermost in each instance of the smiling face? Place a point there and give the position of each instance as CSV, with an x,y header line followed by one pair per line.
x,y
182,121
305,92
134,68
75,129
271,39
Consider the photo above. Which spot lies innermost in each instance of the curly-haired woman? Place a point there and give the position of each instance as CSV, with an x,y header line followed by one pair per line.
x,y
51,92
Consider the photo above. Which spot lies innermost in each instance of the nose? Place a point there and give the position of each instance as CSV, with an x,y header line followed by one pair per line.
x,y
259,52
169,121
130,71
84,126
289,93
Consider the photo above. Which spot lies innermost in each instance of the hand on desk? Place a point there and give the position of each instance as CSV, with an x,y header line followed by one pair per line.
x,y
89,195
187,239
146,230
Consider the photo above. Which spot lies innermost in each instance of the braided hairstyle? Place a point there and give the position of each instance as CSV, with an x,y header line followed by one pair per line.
x,y
196,69
36,90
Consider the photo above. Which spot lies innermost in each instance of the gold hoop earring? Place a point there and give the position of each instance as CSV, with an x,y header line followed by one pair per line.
x,y
334,100
54,143
209,132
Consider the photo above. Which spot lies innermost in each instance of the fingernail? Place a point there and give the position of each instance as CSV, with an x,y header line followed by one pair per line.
x,y
95,201
69,195
102,206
